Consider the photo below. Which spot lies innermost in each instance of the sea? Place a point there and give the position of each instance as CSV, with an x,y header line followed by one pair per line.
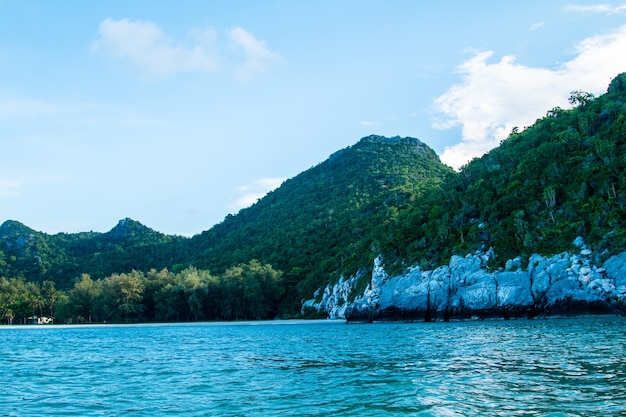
x,y
546,367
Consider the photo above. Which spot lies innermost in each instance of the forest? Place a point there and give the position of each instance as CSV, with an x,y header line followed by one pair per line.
x,y
545,185
249,291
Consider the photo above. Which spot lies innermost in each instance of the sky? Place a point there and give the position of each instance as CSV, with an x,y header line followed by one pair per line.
x,y
178,113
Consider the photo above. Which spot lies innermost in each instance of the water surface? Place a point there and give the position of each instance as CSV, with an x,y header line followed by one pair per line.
x,y
567,367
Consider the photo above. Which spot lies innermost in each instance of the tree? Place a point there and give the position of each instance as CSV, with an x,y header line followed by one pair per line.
x,y
6,299
168,303
155,282
251,291
549,198
580,98
193,287
618,84
34,299
83,297
123,296
50,296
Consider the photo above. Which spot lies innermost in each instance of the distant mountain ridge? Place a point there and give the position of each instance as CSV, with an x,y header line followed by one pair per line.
x,y
336,197
62,257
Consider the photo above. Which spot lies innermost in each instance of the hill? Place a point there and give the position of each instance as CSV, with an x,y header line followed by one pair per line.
x,y
562,177
544,187
330,220
535,226
63,257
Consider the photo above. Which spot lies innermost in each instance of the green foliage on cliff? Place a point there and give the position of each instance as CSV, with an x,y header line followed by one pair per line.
x,y
562,177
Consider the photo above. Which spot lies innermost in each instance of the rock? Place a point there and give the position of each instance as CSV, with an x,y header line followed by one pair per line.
x,y
514,264
579,242
563,284
615,269
514,295
477,299
462,268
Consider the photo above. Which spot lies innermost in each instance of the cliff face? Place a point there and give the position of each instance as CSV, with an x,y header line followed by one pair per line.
x,y
565,284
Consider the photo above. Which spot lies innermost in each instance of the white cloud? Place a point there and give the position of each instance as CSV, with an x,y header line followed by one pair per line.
x,y
156,55
152,51
257,57
596,8
249,194
492,98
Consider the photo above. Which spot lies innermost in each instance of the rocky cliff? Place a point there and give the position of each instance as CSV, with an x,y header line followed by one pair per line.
x,y
565,284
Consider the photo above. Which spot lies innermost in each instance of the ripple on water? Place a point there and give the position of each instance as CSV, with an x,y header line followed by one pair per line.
x,y
539,368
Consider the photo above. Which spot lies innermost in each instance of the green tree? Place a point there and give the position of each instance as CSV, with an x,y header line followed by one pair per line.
x,y
123,296
155,282
618,84
83,298
169,303
580,98
193,288
251,291
6,300
50,296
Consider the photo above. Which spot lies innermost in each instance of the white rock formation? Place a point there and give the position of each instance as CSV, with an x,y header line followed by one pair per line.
x,y
562,284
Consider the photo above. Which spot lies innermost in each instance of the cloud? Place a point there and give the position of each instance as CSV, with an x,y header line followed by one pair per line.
x,y
145,45
596,8
250,194
536,26
257,57
492,98
157,55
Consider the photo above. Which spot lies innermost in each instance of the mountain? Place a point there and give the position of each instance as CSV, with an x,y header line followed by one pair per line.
x,y
562,177
324,221
26,252
537,226
329,220
382,203
62,257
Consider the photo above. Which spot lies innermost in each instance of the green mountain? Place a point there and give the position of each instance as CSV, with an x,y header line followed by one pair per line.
x,y
330,220
63,257
562,177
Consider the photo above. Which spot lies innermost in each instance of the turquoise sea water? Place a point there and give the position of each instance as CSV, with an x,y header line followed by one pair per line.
x,y
567,367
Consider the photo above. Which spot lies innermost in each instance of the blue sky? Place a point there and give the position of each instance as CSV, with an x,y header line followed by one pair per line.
x,y
178,113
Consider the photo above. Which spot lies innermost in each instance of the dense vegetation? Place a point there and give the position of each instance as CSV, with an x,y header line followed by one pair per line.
x,y
563,177
243,292
542,187
61,258
329,220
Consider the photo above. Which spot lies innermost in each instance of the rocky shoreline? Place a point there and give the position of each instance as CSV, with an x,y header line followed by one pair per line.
x,y
567,284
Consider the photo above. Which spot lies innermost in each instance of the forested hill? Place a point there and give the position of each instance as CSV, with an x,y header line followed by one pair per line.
x,y
63,257
545,185
331,219
325,221
562,177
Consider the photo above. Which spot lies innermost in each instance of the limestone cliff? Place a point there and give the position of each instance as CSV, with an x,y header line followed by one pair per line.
x,y
564,284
